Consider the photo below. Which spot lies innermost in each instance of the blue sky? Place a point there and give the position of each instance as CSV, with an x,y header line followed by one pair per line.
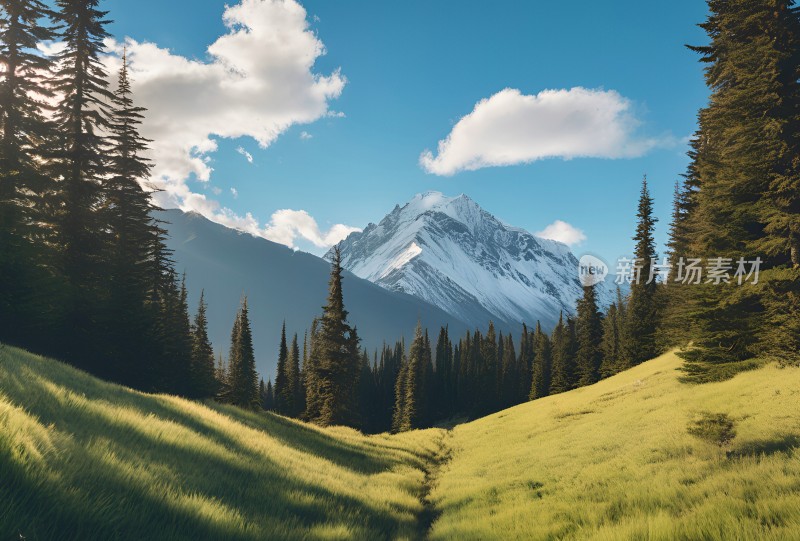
x,y
414,68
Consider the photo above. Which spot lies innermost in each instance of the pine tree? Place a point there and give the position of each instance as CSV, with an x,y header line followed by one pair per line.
x,y
28,288
746,164
368,396
311,374
400,418
301,383
641,323
266,395
221,375
262,393
283,378
129,318
563,354
83,119
542,365
525,364
610,345
337,368
24,124
589,326
388,376
175,372
269,398
204,381
427,383
296,387
242,376
674,328
413,386
441,396
487,373
511,374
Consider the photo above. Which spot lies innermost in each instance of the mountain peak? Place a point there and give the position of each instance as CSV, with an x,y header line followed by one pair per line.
x,y
431,200
455,255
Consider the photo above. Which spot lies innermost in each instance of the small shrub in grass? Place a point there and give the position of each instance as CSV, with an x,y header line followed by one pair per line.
x,y
717,428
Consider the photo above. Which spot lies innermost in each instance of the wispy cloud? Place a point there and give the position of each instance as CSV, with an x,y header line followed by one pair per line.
x,y
513,128
305,135
287,225
247,155
235,193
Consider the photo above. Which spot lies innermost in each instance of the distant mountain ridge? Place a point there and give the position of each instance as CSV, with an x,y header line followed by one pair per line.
x,y
282,284
451,253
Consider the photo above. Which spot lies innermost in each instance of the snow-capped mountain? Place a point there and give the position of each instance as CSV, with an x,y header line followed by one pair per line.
x,y
453,254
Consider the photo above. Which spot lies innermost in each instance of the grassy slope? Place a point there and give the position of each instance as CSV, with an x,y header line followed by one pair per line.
x,y
615,461
82,459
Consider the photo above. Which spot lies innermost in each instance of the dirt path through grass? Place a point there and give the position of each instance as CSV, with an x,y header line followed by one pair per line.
x,y
441,456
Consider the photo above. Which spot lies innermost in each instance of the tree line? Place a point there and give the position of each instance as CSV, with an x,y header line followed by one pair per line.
x,y
395,389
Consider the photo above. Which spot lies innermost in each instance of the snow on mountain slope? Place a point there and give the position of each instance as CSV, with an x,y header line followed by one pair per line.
x,y
453,254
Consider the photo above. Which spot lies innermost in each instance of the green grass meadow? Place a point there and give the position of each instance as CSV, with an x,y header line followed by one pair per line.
x,y
616,461
83,459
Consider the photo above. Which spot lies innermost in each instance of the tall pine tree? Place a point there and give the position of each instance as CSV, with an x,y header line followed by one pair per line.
x,y
563,354
242,377
129,325
83,118
337,368
640,330
542,364
589,327
28,288
203,380
283,378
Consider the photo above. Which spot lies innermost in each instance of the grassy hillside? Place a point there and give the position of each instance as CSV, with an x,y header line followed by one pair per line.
x,y
82,459
615,461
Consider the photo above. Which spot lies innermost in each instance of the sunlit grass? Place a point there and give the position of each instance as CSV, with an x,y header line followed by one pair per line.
x,y
616,461
83,459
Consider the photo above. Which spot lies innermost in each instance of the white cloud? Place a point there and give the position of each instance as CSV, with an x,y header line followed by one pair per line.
x,y
215,190
512,128
51,48
235,193
239,92
305,135
286,225
257,81
562,232
247,155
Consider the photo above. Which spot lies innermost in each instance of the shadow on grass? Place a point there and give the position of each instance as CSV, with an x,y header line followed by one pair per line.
x,y
783,444
308,439
290,433
100,484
